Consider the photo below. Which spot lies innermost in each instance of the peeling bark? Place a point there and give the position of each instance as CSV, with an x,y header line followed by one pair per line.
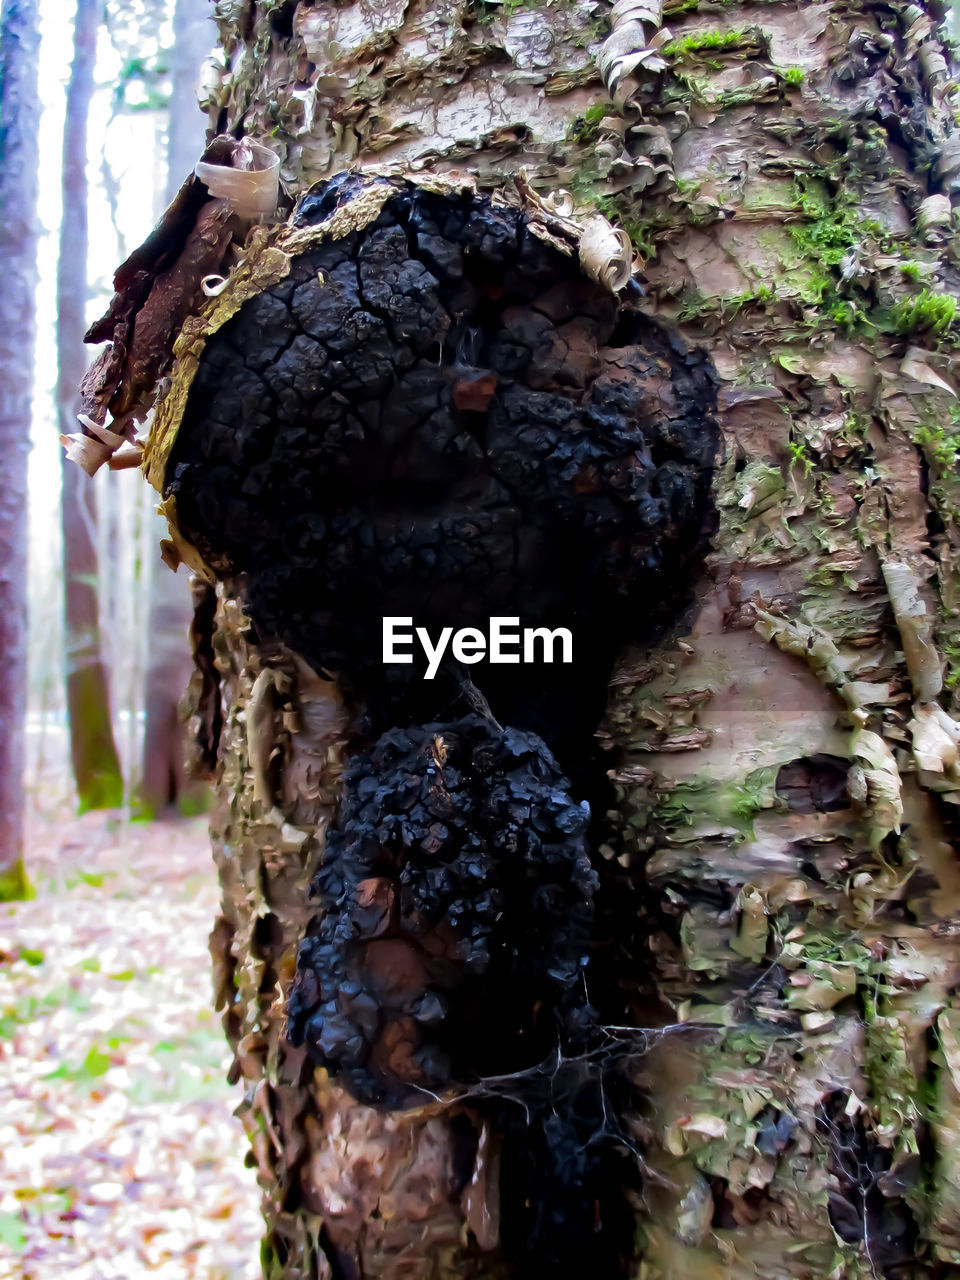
x,y
777,916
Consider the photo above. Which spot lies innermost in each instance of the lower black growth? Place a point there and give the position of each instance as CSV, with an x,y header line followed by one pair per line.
x,y
440,417
456,901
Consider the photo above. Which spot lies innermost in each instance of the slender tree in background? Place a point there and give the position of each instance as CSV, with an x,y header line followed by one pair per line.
x,y
19,126
164,783
93,751
774,1089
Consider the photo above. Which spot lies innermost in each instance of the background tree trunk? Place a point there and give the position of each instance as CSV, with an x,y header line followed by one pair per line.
x,y
785,759
164,783
93,752
19,131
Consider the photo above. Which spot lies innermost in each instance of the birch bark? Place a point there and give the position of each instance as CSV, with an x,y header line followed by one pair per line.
x,y
785,759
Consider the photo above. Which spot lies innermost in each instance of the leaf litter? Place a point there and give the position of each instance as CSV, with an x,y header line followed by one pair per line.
x,y
119,1152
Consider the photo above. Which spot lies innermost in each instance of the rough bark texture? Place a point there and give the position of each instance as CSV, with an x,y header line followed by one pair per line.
x,y
93,752
19,44
777,911
164,783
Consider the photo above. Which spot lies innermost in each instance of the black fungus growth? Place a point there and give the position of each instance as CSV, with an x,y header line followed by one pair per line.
x,y
456,902
441,417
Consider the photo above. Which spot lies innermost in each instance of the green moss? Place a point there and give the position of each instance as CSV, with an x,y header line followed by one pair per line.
x,y
734,805
14,885
619,209
271,1266
950,648
800,457
793,77
845,314
925,312
830,229
889,1072
940,444
584,129
694,304
704,41
829,234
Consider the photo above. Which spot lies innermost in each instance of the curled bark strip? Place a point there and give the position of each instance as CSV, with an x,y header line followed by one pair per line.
x,y
86,452
916,630
631,45
260,737
99,432
249,181
606,254
126,457
203,695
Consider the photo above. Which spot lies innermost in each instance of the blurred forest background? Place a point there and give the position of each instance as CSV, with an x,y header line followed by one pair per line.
x,y
120,1153
119,130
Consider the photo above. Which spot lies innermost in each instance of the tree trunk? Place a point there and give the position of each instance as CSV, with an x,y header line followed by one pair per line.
x,y
164,783
93,752
19,128
766,1078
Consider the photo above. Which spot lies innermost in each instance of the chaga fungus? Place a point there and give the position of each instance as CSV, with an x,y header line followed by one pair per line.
x,y
440,417
456,901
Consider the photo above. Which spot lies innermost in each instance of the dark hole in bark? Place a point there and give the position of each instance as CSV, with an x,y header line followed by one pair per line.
x,y
814,784
732,1211
441,418
866,1201
281,20
267,937
775,1130
205,738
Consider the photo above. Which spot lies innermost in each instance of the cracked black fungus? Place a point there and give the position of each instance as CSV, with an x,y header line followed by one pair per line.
x,y
441,417
456,902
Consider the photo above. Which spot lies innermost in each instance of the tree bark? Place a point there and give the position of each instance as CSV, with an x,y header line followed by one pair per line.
x,y
164,783
19,44
777,910
93,752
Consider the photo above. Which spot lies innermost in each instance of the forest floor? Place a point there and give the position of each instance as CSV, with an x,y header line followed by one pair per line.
x,y
119,1152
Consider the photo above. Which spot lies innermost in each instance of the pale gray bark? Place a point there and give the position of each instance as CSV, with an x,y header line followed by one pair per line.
x,y
19,129
93,751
